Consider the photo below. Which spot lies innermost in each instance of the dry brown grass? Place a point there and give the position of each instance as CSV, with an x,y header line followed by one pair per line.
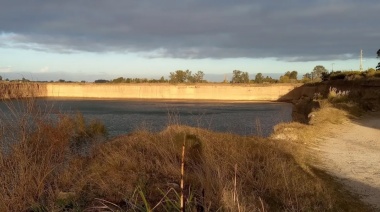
x,y
35,150
40,171
265,177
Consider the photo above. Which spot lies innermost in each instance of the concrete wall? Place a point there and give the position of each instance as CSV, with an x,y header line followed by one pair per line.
x,y
166,91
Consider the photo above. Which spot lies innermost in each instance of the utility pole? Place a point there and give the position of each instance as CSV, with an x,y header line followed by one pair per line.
x,y
332,67
361,60
378,65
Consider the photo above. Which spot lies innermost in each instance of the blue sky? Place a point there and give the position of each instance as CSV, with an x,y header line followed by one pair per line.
x,y
97,39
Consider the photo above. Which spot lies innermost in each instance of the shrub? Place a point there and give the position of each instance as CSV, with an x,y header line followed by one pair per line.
x,y
35,150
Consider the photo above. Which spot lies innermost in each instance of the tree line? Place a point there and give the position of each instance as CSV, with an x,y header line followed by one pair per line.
x,y
319,73
186,76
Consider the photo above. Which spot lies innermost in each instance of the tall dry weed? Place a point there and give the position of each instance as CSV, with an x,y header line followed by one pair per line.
x,y
152,162
35,150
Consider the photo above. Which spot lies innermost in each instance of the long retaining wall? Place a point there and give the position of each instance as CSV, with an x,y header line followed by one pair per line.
x,y
167,91
151,91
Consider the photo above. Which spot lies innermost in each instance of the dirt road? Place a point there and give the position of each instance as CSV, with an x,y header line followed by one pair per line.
x,y
352,153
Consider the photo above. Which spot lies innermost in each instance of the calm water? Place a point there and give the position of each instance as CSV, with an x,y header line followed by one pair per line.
x,y
125,116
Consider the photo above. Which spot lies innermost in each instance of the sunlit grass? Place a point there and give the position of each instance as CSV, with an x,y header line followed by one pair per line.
x,y
42,171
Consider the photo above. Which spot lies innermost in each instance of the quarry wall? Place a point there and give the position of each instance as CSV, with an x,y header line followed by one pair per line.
x,y
150,91
168,91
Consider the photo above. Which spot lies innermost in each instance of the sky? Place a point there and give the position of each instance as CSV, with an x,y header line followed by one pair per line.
x,y
105,39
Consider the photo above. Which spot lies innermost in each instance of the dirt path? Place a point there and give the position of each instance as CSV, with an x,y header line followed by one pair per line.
x,y
353,155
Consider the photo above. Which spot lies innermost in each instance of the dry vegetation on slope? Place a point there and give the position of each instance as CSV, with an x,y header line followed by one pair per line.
x,y
41,170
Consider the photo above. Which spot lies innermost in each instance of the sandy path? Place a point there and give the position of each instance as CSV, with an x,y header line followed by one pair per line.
x,y
353,155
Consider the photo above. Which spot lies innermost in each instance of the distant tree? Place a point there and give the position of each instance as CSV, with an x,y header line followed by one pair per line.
x,y
236,76
162,79
289,77
188,76
240,77
198,77
245,77
259,78
1,78
378,65
371,70
118,80
179,76
293,75
284,79
269,80
306,78
101,81
316,74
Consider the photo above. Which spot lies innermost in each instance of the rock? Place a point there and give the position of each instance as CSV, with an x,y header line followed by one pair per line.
x,y
311,118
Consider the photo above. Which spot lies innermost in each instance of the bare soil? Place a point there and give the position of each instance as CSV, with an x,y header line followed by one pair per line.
x,y
351,152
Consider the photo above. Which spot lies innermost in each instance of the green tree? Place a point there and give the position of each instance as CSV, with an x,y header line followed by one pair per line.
x,y
240,77
306,78
245,77
179,76
293,75
198,77
162,79
316,74
285,79
189,76
259,78
236,76
118,80
269,80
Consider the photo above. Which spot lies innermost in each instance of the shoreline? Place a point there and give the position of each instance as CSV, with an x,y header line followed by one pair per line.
x,y
165,100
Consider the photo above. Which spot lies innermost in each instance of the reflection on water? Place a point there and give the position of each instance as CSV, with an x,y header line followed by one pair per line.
x,y
125,116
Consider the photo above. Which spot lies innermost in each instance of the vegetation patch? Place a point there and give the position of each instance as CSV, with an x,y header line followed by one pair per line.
x,y
43,171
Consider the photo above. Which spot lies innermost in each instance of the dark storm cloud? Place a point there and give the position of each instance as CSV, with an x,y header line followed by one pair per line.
x,y
292,30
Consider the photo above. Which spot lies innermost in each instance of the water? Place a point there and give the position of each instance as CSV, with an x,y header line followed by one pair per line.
x,y
125,116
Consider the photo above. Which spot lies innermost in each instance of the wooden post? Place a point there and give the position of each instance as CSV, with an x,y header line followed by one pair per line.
x,y
183,173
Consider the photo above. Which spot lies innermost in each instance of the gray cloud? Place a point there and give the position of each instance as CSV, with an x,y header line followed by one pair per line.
x,y
294,30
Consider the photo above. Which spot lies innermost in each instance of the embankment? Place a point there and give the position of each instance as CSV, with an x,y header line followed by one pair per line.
x,y
365,93
151,91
